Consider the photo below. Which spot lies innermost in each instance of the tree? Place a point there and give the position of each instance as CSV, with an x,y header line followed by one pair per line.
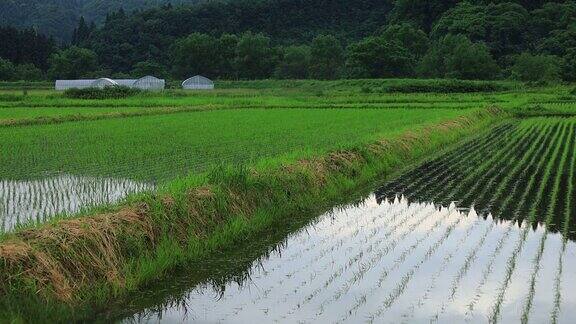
x,y
7,70
534,68
195,54
569,65
254,56
413,39
295,63
327,57
465,19
455,56
227,44
375,57
149,68
421,13
28,72
501,26
82,32
73,63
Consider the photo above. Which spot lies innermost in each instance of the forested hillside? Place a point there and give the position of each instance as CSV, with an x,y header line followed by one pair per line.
x,y
58,18
323,39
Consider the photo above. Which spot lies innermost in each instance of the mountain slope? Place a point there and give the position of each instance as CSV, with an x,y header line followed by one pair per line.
x,y
58,18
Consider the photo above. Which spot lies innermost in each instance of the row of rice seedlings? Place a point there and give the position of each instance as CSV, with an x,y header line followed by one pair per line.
x,y
486,196
499,202
450,218
325,276
293,277
336,241
569,213
471,257
459,180
35,201
464,274
469,242
359,249
453,172
404,281
511,266
477,176
368,263
565,144
423,180
434,170
515,249
530,258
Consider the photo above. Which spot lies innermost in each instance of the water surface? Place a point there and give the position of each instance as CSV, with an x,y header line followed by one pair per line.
x,y
23,202
378,261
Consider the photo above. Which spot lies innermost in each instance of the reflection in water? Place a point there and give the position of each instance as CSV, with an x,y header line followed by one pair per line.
x,y
37,200
386,261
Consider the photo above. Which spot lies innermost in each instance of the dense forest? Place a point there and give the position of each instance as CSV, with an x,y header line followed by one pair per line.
x,y
323,39
59,18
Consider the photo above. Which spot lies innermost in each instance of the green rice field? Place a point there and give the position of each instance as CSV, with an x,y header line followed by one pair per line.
x,y
457,203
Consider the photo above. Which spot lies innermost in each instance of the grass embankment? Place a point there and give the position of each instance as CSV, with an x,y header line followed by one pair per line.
x,y
68,269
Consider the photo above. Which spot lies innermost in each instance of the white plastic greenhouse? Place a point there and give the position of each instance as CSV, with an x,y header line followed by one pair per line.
x,y
149,83
145,83
198,82
103,83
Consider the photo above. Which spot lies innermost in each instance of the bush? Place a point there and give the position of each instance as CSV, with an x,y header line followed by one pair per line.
x,y
447,86
537,68
455,56
115,92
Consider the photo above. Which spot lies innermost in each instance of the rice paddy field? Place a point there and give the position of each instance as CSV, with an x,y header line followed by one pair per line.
x,y
481,230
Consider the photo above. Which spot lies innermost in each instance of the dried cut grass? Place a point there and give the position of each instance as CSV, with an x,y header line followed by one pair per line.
x,y
63,257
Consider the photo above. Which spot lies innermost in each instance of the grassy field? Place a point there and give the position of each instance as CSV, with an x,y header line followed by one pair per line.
x,y
159,148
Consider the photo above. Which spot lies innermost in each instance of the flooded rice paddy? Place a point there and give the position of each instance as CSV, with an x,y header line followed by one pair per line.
x,y
36,201
508,256
381,261
484,232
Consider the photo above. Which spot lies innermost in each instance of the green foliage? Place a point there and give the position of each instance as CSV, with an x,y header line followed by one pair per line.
x,y
29,72
195,54
534,68
114,92
258,39
501,26
150,68
375,57
413,39
255,58
421,13
295,63
447,86
455,56
73,63
12,72
327,57
7,70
